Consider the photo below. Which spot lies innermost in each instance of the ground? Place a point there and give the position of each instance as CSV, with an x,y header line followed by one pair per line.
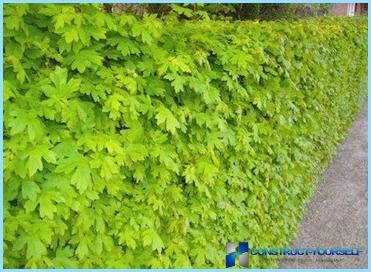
x,y
337,213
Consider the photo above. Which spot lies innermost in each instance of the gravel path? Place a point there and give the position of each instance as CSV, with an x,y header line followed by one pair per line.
x,y
337,213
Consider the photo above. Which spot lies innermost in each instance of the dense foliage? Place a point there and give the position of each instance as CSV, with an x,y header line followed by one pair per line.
x,y
149,143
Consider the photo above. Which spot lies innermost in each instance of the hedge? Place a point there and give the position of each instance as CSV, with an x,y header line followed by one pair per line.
x,y
145,143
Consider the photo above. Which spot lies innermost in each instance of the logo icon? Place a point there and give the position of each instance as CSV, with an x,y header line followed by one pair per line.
x,y
240,253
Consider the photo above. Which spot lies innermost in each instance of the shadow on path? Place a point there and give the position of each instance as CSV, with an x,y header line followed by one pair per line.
x,y
336,216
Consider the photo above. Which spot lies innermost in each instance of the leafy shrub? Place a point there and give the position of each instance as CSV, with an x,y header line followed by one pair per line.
x,y
143,143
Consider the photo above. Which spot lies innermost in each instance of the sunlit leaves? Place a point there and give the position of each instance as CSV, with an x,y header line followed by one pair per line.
x,y
23,120
61,87
64,258
81,177
127,237
146,142
151,238
47,206
30,190
85,59
35,156
13,18
165,116
82,249
35,248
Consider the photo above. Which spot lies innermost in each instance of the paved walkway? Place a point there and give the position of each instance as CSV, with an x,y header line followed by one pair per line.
x,y
337,213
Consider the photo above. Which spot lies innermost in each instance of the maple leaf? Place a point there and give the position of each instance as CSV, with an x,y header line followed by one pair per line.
x,y
82,249
35,157
30,190
165,157
64,258
35,248
9,90
71,34
155,87
182,261
207,169
150,237
61,88
86,58
178,82
182,10
179,63
23,119
107,165
136,152
127,237
13,18
81,177
139,173
165,116
47,206
139,30
128,47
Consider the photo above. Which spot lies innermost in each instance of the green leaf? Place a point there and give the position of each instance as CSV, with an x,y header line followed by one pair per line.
x,y
85,59
19,123
30,190
8,91
136,152
127,237
150,237
35,157
139,173
182,10
71,35
35,248
82,250
47,206
182,261
107,165
165,116
127,47
20,242
34,162
22,119
81,177
178,84
64,258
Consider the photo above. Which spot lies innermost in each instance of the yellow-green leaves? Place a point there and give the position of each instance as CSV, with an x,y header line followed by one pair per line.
x,y
30,190
82,249
22,120
34,158
47,206
64,258
13,18
81,177
165,116
35,248
85,59
151,238
61,88
127,237
149,143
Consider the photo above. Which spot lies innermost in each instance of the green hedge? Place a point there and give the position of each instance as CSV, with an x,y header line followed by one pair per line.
x,y
148,143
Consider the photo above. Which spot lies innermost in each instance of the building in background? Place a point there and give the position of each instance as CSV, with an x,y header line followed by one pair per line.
x,y
349,9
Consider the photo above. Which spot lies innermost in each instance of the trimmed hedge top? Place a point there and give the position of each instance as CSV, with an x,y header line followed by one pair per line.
x,y
149,143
